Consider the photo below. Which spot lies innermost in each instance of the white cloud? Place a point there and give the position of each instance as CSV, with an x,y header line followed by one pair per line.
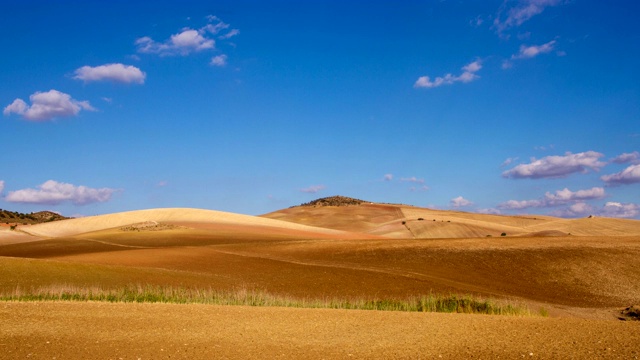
x,y
220,60
468,75
18,106
191,39
557,166
610,209
111,72
509,17
633,158
520,204
560,197
47,105
460,202
413,179
581,208
182,43
575,210
1,186
388,177
489,211
566,195
616,209
629,175
528,52
162,183
53,193
313,189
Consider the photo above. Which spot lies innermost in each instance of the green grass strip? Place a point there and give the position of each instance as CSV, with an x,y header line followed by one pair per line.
x,y
176,295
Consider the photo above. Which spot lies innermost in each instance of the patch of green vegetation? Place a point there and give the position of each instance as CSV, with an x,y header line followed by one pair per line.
x,y
334,201
31,218
544,312
163,294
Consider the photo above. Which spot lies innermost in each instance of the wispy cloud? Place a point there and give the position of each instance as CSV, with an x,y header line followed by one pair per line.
x,y
215,25
189,40
490,211
220,60
510,15
1,186
468,75
508,161
633,158
528,52
460,202
629,175
230,34
412,179
419,188
544,148
313,189
111,72
52,193
387,177
520,204
47,106
557,166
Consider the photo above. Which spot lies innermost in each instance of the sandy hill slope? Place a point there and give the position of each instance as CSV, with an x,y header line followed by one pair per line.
x,y
403,221
170,215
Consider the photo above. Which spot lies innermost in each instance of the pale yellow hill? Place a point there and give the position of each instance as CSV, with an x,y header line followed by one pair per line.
x,y
184,215
597,226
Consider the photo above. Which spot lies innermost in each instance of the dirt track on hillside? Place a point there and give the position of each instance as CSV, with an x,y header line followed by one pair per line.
x,y
155,331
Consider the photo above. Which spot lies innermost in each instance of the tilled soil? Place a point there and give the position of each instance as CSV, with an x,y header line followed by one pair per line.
x,y
68,330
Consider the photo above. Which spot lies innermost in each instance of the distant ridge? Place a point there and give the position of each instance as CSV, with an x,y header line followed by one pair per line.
x,y
335,201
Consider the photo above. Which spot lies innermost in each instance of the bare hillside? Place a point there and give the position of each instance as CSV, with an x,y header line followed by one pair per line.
x,y
403,221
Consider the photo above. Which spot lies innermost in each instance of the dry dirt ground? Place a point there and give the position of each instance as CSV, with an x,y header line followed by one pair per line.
x,y
161,331
582,281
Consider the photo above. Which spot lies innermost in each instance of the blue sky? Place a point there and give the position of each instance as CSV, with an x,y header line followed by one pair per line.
x,y
523,106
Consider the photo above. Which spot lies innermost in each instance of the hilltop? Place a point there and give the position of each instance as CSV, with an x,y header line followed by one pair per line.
x,y
335,201
14,217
